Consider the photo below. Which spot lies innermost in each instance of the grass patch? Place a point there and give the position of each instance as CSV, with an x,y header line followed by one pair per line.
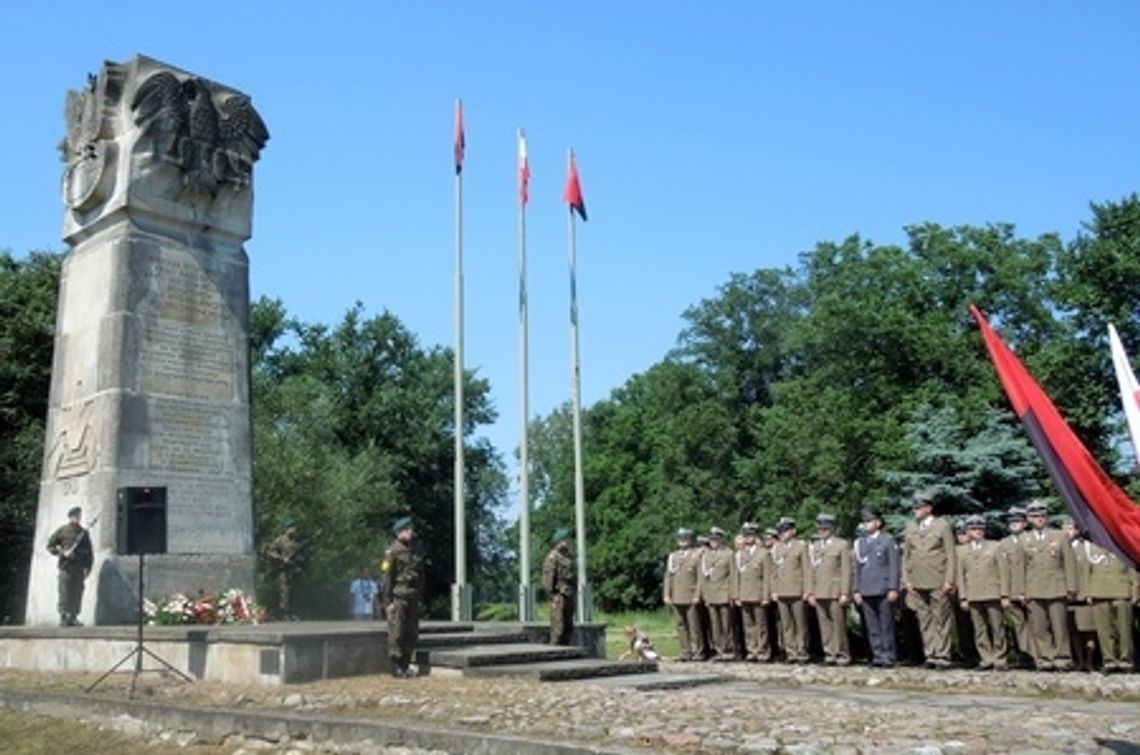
x,y
659,624
32,734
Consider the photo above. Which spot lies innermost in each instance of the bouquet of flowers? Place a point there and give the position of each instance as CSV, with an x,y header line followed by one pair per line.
x,y
224,607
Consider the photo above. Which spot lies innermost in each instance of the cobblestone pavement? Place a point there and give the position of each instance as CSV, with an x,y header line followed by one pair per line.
x,y
758,709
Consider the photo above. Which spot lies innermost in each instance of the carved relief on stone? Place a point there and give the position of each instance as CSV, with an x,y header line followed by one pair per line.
x,y
90,156
72,452
212,136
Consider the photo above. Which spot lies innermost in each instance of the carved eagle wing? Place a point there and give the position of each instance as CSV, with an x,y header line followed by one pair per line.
x,y
160,97
243,132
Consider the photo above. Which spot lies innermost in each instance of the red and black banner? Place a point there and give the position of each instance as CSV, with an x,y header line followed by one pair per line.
x,y
1097,504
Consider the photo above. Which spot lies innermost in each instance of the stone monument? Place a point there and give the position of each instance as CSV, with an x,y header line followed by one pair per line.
x,y
149,398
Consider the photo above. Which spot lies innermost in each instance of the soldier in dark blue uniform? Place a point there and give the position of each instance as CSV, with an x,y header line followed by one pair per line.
x,y
876,586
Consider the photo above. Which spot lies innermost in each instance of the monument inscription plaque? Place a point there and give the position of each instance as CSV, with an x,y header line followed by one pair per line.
x,y
150,380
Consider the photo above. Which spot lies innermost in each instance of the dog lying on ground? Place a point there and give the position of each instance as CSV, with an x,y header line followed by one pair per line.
x,y
640,646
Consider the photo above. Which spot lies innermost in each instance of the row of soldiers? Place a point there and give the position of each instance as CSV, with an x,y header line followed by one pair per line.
x,y
730,602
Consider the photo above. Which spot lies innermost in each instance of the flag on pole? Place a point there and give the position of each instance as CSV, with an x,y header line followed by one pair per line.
x,y
573,194
1098,506
460,137
1129,390
524,171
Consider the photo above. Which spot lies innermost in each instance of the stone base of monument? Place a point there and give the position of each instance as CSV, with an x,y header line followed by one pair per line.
x,y
305,651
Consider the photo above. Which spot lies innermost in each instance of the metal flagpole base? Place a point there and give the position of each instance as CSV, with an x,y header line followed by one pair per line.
x,y
526,603
585,604
460,602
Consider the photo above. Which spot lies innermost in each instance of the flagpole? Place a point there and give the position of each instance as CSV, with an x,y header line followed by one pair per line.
x,y
526,595
460,599
584,607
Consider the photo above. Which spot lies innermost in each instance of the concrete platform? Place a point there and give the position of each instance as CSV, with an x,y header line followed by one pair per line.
x,y
271,654
475,656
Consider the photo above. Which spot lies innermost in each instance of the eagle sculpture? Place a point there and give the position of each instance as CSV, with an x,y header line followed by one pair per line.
x,y
213,144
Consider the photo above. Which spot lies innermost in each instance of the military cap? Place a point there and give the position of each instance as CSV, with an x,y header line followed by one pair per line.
x,y
749,528
716,532
560,534
401,523
771,532
785,523
922,498
684,533
825,521
73,512
702,540
870,512
289,522
1036,508
975,522
1015,512
959,525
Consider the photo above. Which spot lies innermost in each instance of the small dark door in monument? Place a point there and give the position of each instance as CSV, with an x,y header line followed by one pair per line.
x,y
142,521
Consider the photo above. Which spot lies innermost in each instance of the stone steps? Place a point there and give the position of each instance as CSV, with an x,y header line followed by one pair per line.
x,y
438,641
562,670
514,654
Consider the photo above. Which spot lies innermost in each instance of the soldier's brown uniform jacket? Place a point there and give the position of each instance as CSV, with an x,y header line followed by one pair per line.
x,y
682,576
1050,571
790,568
929,559
1014,555
752,564
718,582
830,575
983,572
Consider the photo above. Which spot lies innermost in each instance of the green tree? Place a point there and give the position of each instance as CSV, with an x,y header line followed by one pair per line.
x,y
353,425
28,293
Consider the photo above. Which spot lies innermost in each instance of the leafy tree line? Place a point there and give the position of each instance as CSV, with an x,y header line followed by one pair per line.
x,y
854,377
850,378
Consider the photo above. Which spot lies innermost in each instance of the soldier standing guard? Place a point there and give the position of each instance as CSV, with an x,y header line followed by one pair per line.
x,y
790,569
561,585
1015,564
682,576
1112,589
752,595
829,585
1050,580
288,553
403,573
717,587
875,587
929,570
983,587
72,544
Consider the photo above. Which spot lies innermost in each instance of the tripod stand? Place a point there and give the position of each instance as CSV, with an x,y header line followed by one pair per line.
x,y
139,649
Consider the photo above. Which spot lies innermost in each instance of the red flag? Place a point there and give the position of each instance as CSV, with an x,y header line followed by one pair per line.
x,y
573,194
524,171
1098,506
460,137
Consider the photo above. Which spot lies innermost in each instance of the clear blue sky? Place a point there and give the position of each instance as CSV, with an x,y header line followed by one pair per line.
x,y
711,138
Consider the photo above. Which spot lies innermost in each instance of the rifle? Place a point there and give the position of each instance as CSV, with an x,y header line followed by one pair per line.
x,y
79,539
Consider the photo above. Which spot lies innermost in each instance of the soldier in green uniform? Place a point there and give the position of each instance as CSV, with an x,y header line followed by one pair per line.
x,y
967,648
1082,628
1112,588
561,585
717,588
790,568
72,544
682,575
983,585
287,552
1050,579
1015,563
829,589
402,571
929,571
752,594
